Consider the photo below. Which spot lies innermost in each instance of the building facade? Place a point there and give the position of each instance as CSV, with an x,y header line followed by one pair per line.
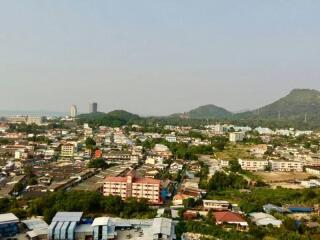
x,y
286,166
216,205
236,136
67,150
253,165
130,186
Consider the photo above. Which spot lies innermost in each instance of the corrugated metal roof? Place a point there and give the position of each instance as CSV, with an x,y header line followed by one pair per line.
x,y
8,218
67,217
162,225
35,223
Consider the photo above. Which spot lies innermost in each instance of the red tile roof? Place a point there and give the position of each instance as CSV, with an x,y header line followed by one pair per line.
x,y
180,196
228,217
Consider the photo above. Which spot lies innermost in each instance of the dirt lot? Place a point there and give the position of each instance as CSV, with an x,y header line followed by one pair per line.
x,y
274,177
235,151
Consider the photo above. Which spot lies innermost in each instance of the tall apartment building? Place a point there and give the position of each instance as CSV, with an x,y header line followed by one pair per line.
x,y
131,186
93,107
73,111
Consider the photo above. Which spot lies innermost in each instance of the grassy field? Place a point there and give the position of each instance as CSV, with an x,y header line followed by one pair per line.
x,y
234,151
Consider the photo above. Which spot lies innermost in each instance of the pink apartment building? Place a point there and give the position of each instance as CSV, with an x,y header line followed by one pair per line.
x,y
131,186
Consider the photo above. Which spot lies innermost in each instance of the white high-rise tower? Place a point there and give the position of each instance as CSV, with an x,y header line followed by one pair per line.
x,y
73,111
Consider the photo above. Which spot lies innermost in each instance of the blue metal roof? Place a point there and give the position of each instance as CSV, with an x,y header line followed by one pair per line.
x,y
300,209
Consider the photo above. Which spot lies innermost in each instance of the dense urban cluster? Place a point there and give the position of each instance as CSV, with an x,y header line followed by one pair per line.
x,y
63,178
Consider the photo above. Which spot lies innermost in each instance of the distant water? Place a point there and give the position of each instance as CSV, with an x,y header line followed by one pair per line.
x,y
7,113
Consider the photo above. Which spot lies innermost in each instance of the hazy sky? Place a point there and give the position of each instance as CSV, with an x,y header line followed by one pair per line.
x,y
156,56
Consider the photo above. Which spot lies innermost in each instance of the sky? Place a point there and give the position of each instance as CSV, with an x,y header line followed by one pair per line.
x,y
156,57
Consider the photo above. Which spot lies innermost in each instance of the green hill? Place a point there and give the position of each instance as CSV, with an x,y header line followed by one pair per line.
x,y
295,106
114,118
209,111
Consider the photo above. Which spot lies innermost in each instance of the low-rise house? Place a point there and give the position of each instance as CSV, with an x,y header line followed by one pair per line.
x,y
118,156
45,180
231,218
171,138
175,167
178,198
313,170
154,160
216,205
310,183
162,151
37,228
264,219
224,163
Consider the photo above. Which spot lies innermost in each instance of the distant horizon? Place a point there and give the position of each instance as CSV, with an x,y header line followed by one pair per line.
x,y
66,113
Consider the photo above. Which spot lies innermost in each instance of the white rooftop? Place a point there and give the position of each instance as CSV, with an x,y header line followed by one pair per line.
x,y
101,221
8,218
67,217
162,225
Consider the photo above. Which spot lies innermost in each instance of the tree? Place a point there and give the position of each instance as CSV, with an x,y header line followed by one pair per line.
x,y
89,202
98,163
309,194
90,143
211,220
4,205
235,166
189,203
18,187
219,142
268,167
221,181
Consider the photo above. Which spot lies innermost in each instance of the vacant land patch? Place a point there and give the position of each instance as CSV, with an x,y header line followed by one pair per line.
x,y
276,177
